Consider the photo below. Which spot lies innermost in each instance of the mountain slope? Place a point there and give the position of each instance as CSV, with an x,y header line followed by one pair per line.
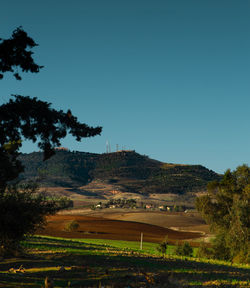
x,y
127,170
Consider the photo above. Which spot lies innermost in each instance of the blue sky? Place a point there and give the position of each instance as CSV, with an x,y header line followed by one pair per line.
x,y
169,79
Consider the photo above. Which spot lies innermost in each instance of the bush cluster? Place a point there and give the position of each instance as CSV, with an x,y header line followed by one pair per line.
x,y
184,249
71,226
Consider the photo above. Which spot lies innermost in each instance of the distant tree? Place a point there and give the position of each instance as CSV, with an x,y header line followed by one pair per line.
x,y
176,208
226,209
26,118
184,249
163,246
72,226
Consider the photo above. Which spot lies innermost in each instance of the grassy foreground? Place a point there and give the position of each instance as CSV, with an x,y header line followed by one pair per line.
x,y
109,263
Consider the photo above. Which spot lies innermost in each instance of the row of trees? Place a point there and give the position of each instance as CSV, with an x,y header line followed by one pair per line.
x,y
27,118
118,203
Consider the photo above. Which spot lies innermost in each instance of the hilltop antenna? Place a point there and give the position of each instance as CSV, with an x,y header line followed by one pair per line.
x,y
117,147
107,146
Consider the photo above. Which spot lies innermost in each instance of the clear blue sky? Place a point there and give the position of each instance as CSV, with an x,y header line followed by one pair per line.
x,y
167,78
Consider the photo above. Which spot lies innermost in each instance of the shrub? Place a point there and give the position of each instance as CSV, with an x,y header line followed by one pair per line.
x,y
163,246
23,211
184,249
204,251
71,226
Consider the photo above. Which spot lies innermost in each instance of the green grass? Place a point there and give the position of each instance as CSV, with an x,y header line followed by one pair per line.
x,y
147,247
89,262
103,246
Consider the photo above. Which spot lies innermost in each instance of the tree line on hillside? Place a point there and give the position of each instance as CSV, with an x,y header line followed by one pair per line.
x,y
131,171
116,203
65,168
132,203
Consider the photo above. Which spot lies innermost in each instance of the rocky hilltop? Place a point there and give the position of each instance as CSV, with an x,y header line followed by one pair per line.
x,y
126,170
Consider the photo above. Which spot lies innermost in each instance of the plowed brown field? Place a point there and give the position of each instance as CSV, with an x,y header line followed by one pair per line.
x,y
97,227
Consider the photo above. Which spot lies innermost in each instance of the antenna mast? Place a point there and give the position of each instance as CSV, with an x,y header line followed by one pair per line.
x,y
107,146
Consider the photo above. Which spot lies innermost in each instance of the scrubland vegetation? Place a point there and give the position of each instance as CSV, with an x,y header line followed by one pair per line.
x,y
126,171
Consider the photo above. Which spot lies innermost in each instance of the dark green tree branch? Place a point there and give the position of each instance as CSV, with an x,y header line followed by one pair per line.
x,y
14,54
26,118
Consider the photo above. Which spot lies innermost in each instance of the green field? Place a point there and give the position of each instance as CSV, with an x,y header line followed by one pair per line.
x,y
147,248
109,263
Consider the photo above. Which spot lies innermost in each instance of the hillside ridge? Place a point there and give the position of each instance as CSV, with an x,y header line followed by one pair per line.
x,y
127,171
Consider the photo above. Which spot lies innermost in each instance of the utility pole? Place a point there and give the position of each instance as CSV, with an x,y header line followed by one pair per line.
x,y
141,240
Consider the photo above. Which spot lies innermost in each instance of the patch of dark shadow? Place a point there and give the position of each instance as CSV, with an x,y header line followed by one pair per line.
x,y
93,232
89,193
82,180
112,181
76,190
37,240
55,247
58,183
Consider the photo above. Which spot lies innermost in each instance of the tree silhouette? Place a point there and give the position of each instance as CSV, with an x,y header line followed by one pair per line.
x,y
29,118
32,119
14,54
26,118
226,209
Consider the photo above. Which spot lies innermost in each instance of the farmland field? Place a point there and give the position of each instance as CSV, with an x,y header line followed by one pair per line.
x,y
102,228
110,263
190,221
104,251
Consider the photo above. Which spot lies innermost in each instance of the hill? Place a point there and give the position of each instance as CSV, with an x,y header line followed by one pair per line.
x,y
126,171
